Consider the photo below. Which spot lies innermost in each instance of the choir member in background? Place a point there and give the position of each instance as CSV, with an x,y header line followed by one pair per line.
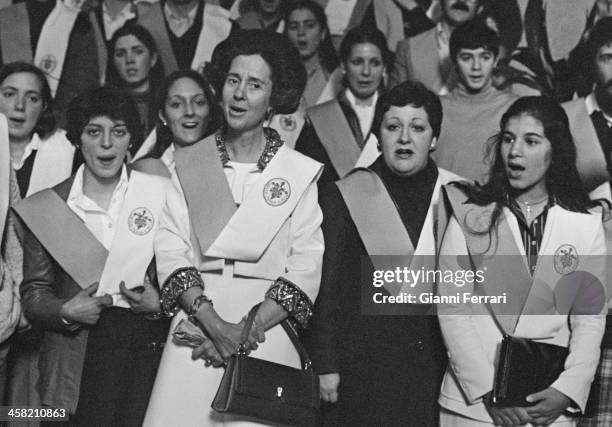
x,y
187,112
134,65
386,368
36,156
526,229
339,132
307,29
472,110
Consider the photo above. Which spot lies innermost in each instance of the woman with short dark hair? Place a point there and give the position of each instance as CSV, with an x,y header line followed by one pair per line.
x,y
89,281
338,133
241,227
379,366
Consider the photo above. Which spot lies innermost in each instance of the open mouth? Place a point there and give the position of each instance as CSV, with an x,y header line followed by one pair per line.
x,y
515,170
236,111
404,153
190,125
107,160
132,72
16,121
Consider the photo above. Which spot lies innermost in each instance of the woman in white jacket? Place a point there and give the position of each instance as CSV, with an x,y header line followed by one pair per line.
x,y
535,237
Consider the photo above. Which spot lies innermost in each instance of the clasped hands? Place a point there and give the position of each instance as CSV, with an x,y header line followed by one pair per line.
x,y
223,338
549,405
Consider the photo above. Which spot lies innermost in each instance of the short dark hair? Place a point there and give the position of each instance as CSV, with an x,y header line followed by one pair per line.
x,y
287,71
105,101
359,35
473,35
601,35
164,136
156,74
327,53
46,123
411,93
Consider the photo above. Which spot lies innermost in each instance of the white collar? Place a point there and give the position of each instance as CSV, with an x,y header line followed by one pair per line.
x,y
170,14
111,25
34,144
358,103
78,198
592,106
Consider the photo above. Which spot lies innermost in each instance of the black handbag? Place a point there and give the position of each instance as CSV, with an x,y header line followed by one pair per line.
x,y
525,367
266,391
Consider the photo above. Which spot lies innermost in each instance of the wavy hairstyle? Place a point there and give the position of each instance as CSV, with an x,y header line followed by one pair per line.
x,y
287,71
46,123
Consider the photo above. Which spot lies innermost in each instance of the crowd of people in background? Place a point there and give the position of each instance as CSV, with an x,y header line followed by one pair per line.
x,y
167,165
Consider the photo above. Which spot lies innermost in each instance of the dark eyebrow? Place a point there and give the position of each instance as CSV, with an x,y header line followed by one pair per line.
x,y
535,134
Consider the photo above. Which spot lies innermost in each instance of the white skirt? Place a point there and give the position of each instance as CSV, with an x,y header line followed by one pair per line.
x,y
184,388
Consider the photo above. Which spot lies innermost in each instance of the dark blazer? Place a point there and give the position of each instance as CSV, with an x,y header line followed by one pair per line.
x,y
45,288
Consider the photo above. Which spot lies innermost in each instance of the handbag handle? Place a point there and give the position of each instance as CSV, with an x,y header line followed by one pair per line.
x,y
289,329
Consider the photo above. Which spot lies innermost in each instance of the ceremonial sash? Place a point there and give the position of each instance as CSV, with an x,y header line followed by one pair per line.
x,y
504,274
590,158
425,61
342,15
216,26
15,41
270,201
335,136
99,38
5,172
132,248
5,3
67,238
53,42
565,24
152,18
221,229
77,250
52,164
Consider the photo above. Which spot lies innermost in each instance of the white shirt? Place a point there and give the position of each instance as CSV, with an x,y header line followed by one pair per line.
x,y
179,24
32,145
167,157
241,177
364,111
592,105
111,25
102,223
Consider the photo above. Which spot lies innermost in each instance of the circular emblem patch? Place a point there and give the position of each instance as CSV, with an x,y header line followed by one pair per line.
x,y
140,221
276,191
288,123
566,259
478,220
48,63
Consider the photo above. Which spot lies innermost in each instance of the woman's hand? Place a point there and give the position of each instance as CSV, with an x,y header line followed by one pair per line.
x,y
146,301
507,417
550,404
328,387
209,353
84,307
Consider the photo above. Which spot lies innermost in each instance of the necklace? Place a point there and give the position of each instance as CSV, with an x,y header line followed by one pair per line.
x,y
273,143
530,207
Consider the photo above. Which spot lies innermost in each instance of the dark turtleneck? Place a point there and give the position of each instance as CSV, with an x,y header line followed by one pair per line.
x,y
411,194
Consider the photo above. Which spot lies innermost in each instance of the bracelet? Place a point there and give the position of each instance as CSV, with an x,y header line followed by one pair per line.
x,y
197,303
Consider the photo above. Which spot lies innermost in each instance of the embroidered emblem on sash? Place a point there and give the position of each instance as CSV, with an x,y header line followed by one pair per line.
x,y
48,63
478,220
276,191
288,123
566,259
140,221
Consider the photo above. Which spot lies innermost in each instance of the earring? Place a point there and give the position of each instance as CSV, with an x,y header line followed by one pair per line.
x,y
164,123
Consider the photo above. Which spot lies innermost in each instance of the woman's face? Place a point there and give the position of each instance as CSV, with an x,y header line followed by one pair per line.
x,y
364,69
406,138
133,60
246,93
22,104
104,145
305,32
269,7
526,154
186,111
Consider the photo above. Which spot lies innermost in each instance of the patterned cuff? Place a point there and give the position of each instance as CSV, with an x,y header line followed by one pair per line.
x,y
174,286
292,299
